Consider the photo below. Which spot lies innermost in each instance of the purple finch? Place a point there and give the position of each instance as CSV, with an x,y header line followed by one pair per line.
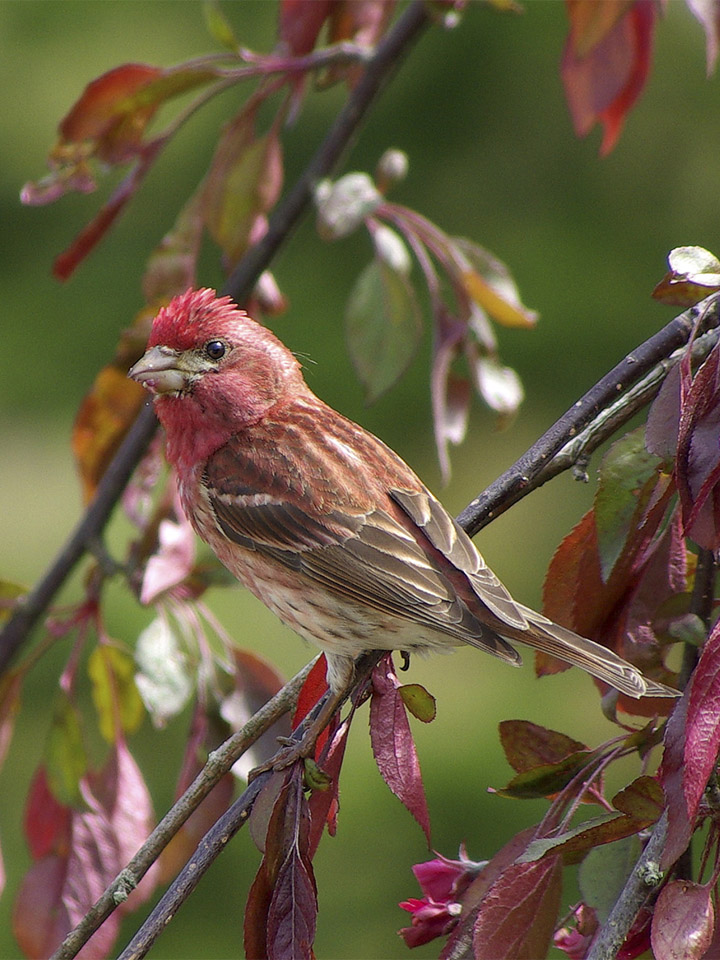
x,y
317,517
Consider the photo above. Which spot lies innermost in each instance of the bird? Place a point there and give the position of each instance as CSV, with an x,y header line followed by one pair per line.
x,y
318,517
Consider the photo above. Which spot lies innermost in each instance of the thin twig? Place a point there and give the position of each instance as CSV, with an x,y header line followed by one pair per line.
x,y
219,763
522,476
216,839
91,525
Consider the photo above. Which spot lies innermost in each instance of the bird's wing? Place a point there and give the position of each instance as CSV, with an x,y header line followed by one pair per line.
x,y
362,554
447,536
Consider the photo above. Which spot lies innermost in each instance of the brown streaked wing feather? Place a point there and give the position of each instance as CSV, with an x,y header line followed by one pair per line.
x,y
452,541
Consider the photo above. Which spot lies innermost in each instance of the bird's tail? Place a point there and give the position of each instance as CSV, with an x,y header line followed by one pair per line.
x,y
595,659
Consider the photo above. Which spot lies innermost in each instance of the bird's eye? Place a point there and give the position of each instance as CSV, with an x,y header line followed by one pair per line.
x,y
215,349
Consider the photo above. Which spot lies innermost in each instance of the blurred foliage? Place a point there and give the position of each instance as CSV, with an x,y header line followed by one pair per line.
x,y
481,114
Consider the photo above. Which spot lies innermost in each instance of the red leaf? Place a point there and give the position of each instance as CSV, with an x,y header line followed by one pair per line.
x,y
313,689
697,469
105,100
281,909
671,776
702,733
301,22
46,822
603,75
393,746
683,921
324,804
517,917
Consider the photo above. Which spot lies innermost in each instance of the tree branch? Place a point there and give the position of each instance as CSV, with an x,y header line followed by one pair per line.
x,y
215,840
289,211
219,763
529,472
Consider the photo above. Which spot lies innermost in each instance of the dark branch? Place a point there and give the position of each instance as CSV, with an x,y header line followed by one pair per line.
x,y
529,472
215,840
89,528
379,70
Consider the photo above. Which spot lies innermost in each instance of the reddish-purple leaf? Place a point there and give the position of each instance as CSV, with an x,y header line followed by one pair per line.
x,y
41,917
272,928
671,776
606,63
663,422
683,921
518,915
46,821
125,802
293,906
393,746
459,943
697,468
256,911
528,745
293,911
702,732
324,804
301,22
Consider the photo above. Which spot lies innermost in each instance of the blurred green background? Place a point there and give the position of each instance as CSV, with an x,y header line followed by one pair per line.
x,y
480,111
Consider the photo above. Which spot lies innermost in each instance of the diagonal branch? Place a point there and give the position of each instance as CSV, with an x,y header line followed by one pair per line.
x,y
380,68
534,467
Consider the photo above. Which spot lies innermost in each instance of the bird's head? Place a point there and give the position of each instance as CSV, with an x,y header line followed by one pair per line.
x,y
211,368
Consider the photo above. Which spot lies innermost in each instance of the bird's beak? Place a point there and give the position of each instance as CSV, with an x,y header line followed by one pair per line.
x,y
160,370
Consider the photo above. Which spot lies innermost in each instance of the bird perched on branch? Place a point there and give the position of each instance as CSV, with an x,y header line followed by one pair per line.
x,y
320,519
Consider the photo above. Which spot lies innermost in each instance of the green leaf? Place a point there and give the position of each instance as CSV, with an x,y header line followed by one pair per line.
x,y
547,778
114,692
383,328
584,836
219,26
65,757
244,181
624,472
604,871
9,592
418,701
